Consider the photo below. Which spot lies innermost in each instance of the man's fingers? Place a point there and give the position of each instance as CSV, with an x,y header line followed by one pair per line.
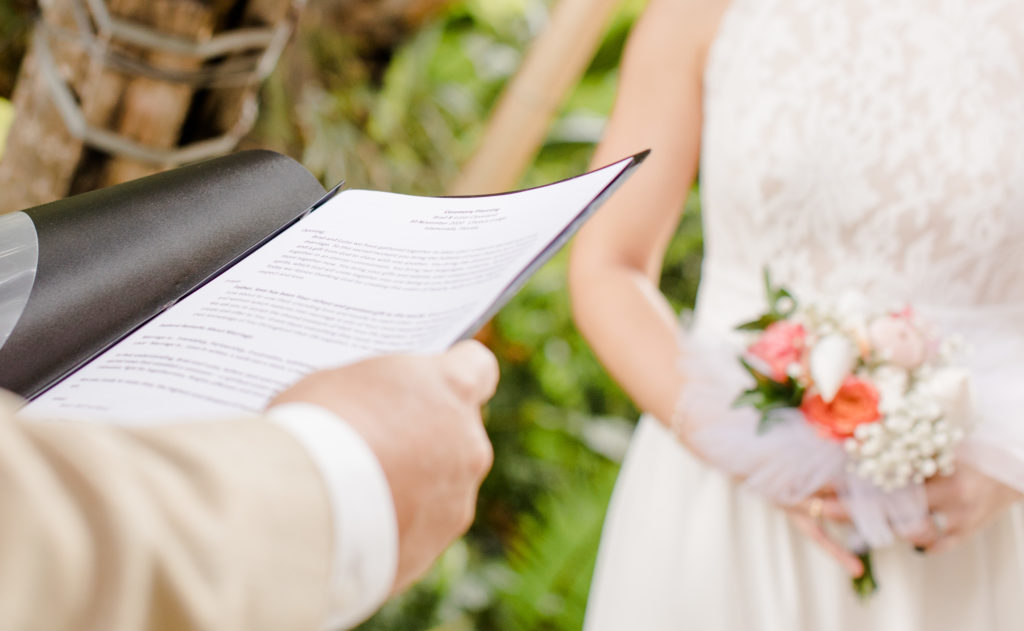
x,y
472,370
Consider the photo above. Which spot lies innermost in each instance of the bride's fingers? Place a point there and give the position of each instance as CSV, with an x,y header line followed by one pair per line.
x,y
943,523
923,536
944,491
813,529
944,544
821,506
833,510
826,492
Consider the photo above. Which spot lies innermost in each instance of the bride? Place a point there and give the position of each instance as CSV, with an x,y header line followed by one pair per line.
x,y
874,145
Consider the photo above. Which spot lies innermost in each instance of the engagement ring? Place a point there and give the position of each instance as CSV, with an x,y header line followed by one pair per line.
x,y
815,508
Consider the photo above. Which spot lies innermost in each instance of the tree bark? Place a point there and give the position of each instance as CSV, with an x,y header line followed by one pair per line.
x,y
42,161
153,111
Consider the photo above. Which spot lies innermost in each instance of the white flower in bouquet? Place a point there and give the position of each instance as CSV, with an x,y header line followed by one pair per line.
x,y
832,360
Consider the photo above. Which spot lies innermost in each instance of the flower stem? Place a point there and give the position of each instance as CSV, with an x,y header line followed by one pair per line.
x,y
865,585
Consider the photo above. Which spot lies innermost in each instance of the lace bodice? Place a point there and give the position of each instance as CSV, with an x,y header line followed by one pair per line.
x,y
872,144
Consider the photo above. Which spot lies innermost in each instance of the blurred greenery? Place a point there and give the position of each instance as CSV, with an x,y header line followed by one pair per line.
x,y
558,423
6,118
15,22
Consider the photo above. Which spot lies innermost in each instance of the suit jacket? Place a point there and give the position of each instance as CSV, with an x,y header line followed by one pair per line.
x,y
202,526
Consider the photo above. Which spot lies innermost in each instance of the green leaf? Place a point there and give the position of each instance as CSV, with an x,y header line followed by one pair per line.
x,y
762,380
777,297
753,398
759,324
781,305
769,420
768,396
796,395
865,585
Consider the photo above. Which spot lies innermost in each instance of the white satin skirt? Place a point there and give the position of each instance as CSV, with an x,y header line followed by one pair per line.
x,y
683,547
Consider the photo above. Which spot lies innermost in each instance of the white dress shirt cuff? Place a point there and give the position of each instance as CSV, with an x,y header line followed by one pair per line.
x,y
365,527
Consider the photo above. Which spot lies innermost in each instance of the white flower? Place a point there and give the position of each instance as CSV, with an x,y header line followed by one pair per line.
x,y
832,360
892,383
898,341
949,392
867,467
898,422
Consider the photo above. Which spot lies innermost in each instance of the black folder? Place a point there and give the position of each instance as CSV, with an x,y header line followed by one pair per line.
x,y
113,258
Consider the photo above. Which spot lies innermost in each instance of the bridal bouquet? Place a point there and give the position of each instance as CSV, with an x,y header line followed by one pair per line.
x,y
880,383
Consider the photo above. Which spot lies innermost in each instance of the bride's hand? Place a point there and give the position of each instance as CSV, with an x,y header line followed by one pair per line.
x,y
960,505
809,517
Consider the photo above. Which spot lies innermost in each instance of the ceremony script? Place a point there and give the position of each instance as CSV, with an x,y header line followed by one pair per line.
x,y
363,273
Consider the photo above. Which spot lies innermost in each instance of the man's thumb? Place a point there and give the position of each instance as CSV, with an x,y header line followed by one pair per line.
x,y
472,370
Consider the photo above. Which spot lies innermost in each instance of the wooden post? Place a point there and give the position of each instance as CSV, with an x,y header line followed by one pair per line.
x,y
43,161
520,122
154,110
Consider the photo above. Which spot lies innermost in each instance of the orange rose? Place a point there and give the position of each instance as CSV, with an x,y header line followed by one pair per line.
x,y
855,403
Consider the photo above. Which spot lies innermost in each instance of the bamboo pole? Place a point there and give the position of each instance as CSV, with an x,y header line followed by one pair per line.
x,y
519,124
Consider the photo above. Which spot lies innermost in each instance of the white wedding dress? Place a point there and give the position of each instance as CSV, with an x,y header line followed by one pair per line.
x,y
868,144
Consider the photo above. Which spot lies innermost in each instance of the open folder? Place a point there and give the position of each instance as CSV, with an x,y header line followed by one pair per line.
x,y
356,274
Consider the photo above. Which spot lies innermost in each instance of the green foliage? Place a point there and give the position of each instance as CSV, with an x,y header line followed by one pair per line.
x,y
781,305
15,23
768,396
410,131
552,556
6,118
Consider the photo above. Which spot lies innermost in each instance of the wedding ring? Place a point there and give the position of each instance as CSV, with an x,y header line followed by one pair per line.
x,y
940,522
816,508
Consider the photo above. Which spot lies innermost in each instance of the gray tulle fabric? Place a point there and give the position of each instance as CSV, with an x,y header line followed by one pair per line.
x,y
19,255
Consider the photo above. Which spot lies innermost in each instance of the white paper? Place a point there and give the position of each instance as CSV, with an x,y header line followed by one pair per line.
x,y
367,273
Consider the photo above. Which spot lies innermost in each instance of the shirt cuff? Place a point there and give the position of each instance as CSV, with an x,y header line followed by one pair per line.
x,y
365,558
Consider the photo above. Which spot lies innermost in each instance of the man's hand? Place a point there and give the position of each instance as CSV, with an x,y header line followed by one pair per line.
x,y
421,417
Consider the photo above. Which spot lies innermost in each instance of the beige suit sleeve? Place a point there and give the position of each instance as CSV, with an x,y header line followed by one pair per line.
x,y
219,526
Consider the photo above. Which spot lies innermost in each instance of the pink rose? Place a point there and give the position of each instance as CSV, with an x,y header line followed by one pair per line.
x,y
780,345
856,403
898,341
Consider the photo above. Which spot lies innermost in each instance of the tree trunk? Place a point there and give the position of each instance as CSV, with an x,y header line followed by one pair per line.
x,y
43,161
